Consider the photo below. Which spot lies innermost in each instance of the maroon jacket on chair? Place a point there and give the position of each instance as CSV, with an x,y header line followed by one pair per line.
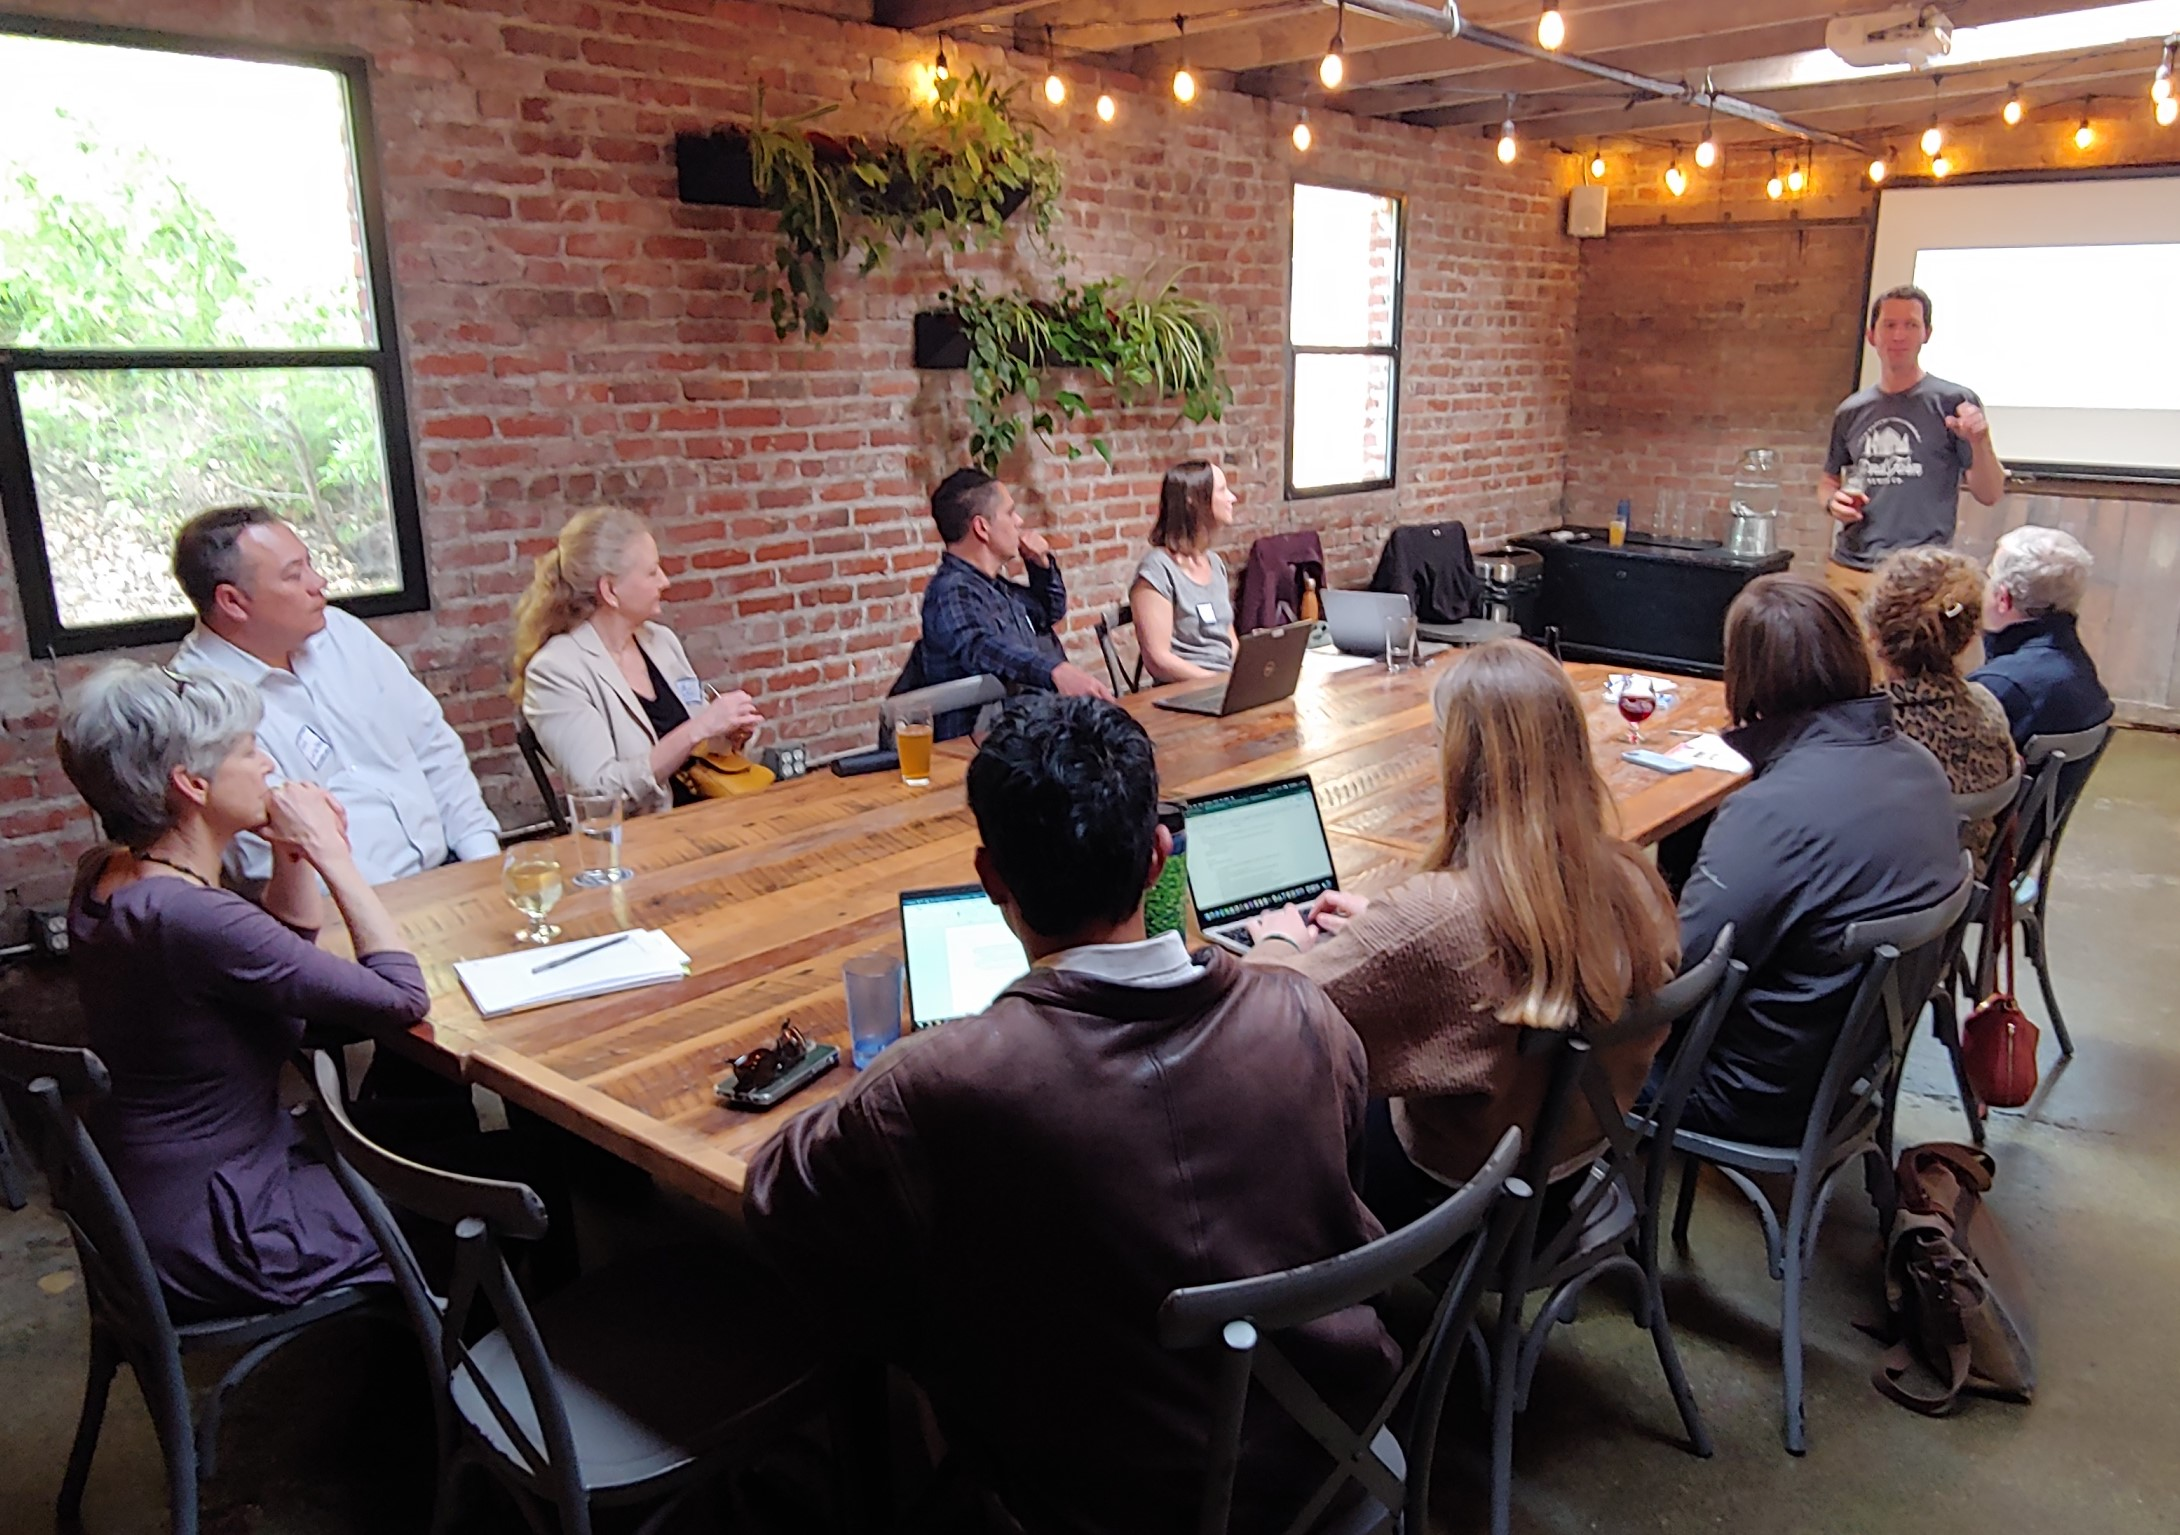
x,y
1002,1203
1272,580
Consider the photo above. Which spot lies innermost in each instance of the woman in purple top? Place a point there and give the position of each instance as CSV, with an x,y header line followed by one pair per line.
x,y
197,996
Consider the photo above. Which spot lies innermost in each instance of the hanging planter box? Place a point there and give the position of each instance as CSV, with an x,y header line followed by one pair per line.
x,y
715,170
942,342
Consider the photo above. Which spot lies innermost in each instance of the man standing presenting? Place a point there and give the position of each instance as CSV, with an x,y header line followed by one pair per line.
x,y
340,707
1900,451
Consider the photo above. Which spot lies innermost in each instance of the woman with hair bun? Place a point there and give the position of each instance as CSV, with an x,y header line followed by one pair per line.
x,y
608,690
1924,610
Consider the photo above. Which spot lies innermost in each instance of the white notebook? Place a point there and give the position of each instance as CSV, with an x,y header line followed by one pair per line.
x,y
508,983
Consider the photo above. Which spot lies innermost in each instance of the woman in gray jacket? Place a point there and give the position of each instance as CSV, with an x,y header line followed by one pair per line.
x,y
609,691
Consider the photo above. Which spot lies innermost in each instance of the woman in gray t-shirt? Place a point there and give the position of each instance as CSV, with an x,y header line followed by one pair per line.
x,y
1184,608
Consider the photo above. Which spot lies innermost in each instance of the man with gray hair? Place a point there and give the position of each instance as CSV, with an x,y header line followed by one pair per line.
x,y
2033,658
341,709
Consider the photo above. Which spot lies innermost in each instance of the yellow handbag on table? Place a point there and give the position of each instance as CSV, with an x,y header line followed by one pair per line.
x,y
722,774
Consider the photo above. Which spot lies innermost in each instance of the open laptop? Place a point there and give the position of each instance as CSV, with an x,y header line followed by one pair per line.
x,y
1266,668
961,953
1357,619
1253,849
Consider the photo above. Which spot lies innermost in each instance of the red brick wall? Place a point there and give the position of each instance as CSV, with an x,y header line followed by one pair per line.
x,y
574,335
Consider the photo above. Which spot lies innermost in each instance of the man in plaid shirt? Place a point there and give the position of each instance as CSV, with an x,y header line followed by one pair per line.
x,y
975,621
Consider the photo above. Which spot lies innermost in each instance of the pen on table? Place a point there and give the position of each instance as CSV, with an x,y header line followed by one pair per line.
x,y
567,959
1684,732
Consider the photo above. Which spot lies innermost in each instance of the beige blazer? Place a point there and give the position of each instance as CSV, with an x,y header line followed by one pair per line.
x,y
589,720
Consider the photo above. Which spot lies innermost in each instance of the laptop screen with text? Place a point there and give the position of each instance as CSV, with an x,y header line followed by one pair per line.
x,y
961,953
1252,849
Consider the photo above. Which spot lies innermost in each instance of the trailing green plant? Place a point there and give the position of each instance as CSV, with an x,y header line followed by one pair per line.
x,y
953,171
1145,343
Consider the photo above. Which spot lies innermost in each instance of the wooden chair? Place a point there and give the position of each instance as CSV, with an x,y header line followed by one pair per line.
x,y
1238,1318
130,1323
634,1386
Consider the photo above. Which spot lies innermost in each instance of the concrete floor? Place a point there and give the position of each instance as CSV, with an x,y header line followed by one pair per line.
x,y
331,1442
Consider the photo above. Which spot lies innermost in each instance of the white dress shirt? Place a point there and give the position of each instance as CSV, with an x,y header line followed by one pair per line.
x,y
349,716
1156,964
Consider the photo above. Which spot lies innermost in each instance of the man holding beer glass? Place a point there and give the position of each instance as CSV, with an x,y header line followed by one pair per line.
x,y
1900,451
978,623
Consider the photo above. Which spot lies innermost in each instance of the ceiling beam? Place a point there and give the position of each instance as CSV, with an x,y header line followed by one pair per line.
x,y
932,15
1120,29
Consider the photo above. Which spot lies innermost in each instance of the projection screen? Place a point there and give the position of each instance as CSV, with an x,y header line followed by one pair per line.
x,y
2058,302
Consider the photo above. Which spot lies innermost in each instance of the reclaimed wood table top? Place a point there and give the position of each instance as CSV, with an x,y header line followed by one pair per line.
x,y
770,894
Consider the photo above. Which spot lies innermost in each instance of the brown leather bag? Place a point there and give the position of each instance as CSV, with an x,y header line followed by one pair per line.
x,y
1957,1302
1998,1040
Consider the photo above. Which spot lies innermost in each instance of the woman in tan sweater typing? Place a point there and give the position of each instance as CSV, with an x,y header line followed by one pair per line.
x,y
1530,912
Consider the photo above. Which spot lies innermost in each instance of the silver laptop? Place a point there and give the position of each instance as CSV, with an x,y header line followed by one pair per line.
x,y
1253,849
1357,619
1266,668
961,953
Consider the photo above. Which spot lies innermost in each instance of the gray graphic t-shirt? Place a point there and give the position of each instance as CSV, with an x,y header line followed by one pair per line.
x,y
1911,466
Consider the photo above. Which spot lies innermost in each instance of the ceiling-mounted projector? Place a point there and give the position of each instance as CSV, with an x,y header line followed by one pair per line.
x,y
1914,35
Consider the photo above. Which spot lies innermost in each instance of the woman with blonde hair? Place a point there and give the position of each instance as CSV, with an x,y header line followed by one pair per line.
x,y
1528,912
607,689
1181,598
1923,612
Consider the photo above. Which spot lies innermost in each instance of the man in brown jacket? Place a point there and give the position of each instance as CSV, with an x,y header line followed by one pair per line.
x,y
1001,1204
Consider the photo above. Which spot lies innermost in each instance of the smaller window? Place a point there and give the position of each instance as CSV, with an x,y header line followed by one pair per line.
x,y
1343,341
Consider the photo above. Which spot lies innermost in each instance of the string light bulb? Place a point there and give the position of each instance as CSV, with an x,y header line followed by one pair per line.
x,y
1775,188
938,65
1105,108
1551,27
2012,112
2084,136
1332,68
1676,179
1184,83
1597,165
1302,137
1879,170
1797,177
1933,138
1508,147
1055,87
2161,88
1941,167
1707,152
2168,111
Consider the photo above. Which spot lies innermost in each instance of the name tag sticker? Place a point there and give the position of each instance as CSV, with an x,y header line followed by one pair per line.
x,y
689,691
316,748
1206,613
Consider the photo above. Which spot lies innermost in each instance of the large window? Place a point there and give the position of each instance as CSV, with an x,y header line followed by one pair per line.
x,y
1343,341
194,311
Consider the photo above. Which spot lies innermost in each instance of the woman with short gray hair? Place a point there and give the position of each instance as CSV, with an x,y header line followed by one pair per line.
x,y
2034,662
195,996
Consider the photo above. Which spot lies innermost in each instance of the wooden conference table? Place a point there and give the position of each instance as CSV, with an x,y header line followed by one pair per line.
x,y
770,894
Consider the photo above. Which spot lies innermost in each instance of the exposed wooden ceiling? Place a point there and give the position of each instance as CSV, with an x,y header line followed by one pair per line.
x,y
1404,70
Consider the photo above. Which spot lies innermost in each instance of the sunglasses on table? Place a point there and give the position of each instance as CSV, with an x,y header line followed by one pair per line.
x,y
758,1069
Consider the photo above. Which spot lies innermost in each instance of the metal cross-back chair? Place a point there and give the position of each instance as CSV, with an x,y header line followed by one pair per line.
x,y
555,823
130,1322
629,1388
1240,1317
1999,803
1125,679
2047,806
1900,959
1610,1224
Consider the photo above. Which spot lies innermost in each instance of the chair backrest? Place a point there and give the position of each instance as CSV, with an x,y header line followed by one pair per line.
x,y
120,1285
1237,1315
1125,679
541,774
940,698
1900,958
481,1212
2052,791
1990,803
1704,993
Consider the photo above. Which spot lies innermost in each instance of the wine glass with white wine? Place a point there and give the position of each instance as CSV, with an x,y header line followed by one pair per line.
x,y
531,877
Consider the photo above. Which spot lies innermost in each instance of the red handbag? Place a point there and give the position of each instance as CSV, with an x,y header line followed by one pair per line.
x,y
1998,1040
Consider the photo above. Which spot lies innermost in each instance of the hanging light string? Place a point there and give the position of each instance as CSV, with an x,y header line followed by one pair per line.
x,y
1184,83
1332,68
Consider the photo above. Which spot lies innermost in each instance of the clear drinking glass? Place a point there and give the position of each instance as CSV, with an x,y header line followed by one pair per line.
x,y
1399,641
597,821
530,875
912,741
873,985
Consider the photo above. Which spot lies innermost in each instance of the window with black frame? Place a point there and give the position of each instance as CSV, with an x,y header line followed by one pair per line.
x,y
1343,340
195,311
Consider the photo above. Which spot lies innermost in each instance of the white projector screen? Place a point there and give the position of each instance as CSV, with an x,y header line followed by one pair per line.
x,y
2056,302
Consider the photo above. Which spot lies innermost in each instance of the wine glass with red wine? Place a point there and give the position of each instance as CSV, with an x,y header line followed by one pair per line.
x,y
1637,703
